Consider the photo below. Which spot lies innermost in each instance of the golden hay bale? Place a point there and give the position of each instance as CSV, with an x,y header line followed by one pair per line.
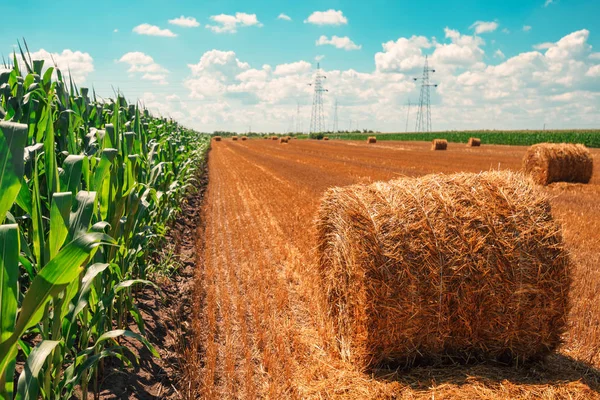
x,y
283,140
234,138
439,144
550,162
465,266
244,138
371,139
217,138
274,138
474,142
325,138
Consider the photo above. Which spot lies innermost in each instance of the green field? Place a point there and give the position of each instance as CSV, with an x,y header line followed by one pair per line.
x,y
590,138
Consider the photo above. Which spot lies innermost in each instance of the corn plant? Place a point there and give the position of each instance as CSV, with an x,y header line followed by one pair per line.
x,y
87,188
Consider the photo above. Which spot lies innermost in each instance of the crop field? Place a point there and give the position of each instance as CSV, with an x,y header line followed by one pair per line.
x,y
260,320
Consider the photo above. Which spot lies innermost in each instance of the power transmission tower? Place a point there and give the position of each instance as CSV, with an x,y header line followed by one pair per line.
x,y
297,116
335,117
407,114
317,122
423,123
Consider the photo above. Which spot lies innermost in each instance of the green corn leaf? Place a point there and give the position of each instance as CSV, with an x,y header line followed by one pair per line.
x,y
28,386
122,332
12,146
9,274
50,281
59,221
81,217
71,179
51,168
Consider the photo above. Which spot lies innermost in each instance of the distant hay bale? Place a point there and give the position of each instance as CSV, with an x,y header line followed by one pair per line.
x,y
443,267
283,140
217,138
325,138
288,138
550,162
371,139
439,144
234,138
474,142
244,138
274,138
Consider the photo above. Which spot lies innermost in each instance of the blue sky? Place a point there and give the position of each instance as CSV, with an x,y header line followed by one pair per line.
x,y
500,64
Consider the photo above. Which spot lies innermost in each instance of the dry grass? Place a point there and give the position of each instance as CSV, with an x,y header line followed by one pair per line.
x,y
550,162
439,144
474,142
371,139
262,326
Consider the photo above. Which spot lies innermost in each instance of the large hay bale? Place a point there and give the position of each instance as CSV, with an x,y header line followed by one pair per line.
x,y
244,138
217,138
551,162
474,142
460,267
439,144
371,139
234,138
283,140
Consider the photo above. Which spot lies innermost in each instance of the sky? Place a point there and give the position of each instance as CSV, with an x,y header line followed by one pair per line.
x,y
240,65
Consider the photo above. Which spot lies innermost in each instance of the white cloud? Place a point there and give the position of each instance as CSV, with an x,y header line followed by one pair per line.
x,y
319,57
116,30
543,46
594,56
142,63
499,54
152,30
526,28
594,71
339,42
548,2
329,17
292,68
186,22
284,17
77,63
558,85
505,30
483,26
230,23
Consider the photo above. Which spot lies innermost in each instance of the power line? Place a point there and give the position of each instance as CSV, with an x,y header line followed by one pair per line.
x,y
423,122
317,122
335,117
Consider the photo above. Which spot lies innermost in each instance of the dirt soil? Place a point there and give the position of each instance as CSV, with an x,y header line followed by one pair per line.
x,y
260,329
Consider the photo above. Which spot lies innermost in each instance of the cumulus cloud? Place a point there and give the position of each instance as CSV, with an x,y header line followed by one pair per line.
x,y
543,46
230,23
76,63
558,85
284,17
142,63
186,22
152,30
329,17
339,42
483,26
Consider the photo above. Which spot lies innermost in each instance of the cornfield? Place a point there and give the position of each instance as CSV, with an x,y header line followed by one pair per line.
x,y
87,188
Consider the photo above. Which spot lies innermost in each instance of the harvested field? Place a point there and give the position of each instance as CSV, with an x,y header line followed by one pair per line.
x,y
261,311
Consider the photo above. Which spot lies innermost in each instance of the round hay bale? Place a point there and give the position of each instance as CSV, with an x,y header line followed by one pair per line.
x,y
443,267
266,137
439,144
563,162
325,138
371,139
217,138
474,142
274,138
234,138
283,140
244,138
